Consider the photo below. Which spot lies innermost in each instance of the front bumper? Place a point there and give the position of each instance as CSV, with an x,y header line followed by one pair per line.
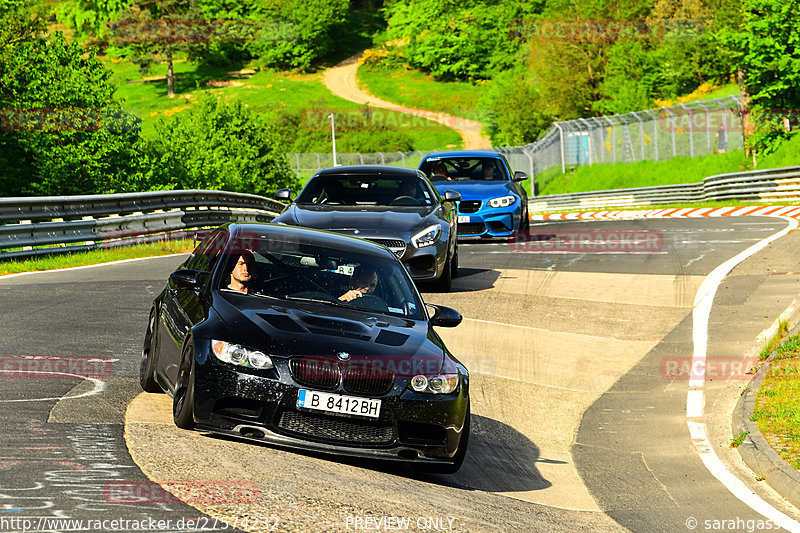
x,y
488,221
411,427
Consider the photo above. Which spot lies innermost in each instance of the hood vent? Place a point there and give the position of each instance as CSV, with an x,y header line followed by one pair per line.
x,y
390,338
283,323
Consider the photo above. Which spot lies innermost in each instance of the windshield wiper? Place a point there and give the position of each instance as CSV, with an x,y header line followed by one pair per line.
x,y
319,301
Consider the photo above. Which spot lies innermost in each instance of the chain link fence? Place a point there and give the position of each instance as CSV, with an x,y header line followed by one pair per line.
x,y
684,130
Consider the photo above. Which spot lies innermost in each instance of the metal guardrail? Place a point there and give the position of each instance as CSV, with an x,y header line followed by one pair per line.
x,y
778,184
31,226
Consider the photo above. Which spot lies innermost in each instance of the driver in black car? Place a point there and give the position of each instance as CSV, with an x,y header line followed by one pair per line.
x,y
243,272
363,281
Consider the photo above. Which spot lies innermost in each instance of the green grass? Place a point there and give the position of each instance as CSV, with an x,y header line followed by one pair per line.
x,y
776,410
95,256
738,439
723,91
788,155
640,174
264,91
412,88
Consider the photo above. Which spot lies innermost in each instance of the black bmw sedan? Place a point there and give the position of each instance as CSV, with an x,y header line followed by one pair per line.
x,y
396,207
308,339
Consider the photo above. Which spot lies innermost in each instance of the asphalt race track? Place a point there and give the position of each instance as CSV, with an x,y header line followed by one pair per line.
x,y
578,424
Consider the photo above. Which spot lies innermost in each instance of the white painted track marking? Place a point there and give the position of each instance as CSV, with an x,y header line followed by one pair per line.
x,y
695,398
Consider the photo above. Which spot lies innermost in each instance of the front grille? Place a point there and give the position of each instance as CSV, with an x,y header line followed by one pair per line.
x,y
361,380
332,428
315,372
471,228
397,246
469,206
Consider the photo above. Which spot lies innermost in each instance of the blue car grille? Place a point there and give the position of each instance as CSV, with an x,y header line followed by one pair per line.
x,y
469,206
471,228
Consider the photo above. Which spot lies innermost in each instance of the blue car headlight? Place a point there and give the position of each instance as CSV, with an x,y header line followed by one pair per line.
x,y
503,201
427,237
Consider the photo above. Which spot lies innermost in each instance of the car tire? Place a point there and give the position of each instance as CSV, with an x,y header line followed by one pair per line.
x,y
183,399
147,368
444,282
458,458
454,263
526,222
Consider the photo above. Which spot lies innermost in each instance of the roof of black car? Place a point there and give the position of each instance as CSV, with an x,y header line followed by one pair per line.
x,y
314,237
361,170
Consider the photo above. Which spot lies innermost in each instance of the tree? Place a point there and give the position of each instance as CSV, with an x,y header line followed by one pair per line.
x,y
517,113
763,47
61,132
90,18
152,29
215,145
458,39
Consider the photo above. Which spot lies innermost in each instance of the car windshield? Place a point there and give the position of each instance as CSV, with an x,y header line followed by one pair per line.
x,y
261,267
367,190
463,169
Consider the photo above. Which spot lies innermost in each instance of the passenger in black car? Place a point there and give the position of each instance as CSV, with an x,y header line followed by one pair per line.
x,y
363,281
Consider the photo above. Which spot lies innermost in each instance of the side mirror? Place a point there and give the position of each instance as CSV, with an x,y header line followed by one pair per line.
x,y
520,176
452,196
283,194
192,280
445,317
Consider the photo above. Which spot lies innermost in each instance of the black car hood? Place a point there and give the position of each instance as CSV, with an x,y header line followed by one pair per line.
x,y
292,328
366,219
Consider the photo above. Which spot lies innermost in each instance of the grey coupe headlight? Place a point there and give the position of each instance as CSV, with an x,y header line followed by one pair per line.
x,y
238,355
438,384
503,201
427,237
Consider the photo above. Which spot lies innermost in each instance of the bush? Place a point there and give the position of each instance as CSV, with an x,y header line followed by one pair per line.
x,y
221,146
517,113
63,133
451,39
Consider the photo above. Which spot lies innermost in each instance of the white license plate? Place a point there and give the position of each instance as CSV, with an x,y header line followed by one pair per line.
x,y
463,218
336,403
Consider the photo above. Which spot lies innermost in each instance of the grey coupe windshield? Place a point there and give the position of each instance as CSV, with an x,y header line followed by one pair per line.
x,y
367,190
260,267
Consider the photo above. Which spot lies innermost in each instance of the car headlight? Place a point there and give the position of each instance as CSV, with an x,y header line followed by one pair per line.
x,y
238,355
426,237
438,384
503,201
